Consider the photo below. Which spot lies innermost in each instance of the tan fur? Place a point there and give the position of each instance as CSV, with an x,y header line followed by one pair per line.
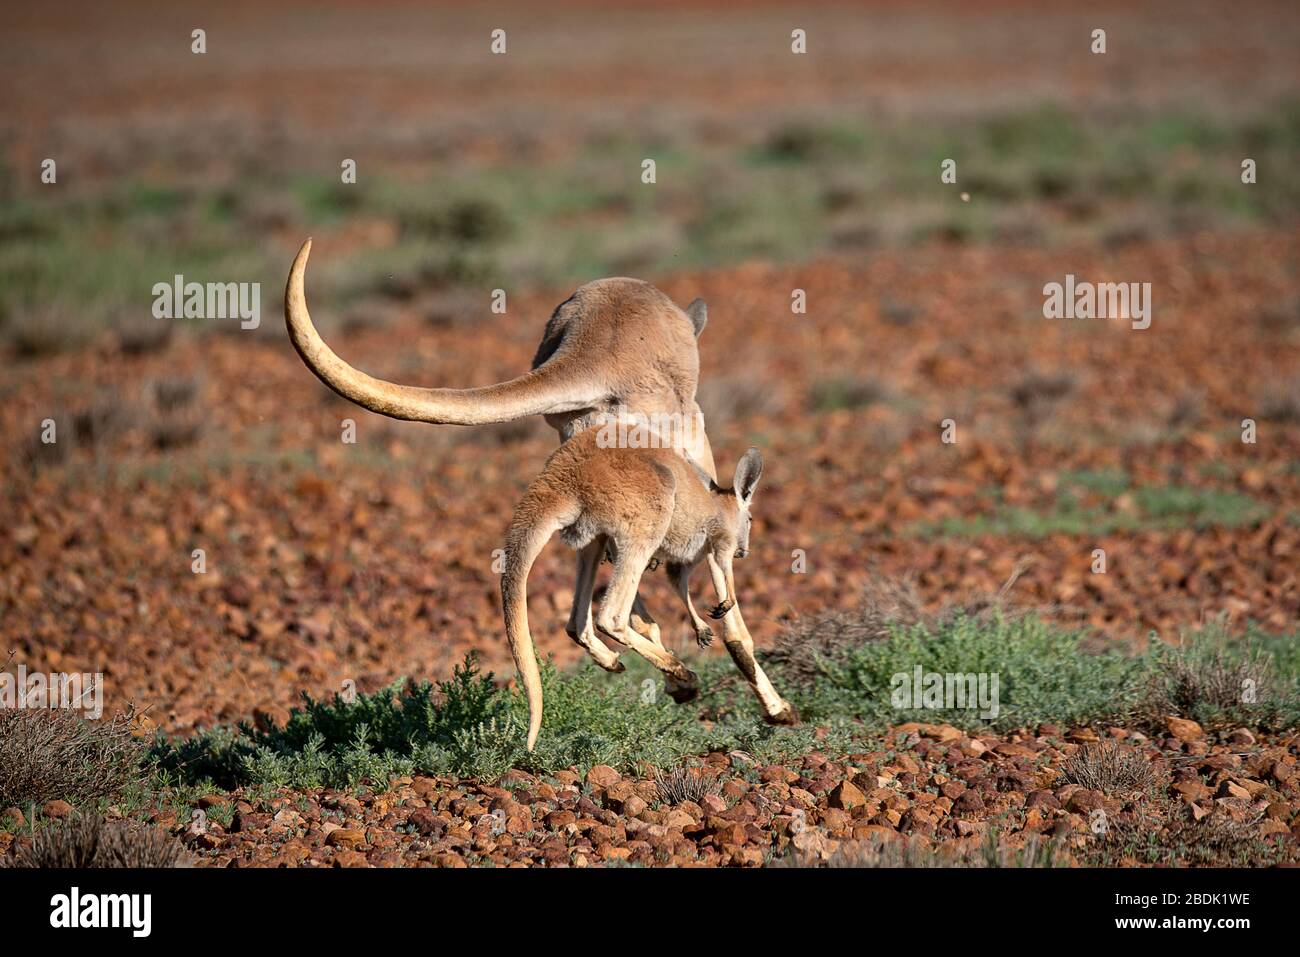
x,y
643,505
615,346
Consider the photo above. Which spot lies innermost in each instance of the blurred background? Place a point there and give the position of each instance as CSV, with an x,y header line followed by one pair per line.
x,y
775,172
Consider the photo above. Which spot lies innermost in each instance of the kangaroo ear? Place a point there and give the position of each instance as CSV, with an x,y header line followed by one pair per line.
x,y
748,470
699,313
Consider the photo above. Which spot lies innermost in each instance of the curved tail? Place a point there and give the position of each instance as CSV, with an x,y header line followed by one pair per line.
x,y
528,535
554,387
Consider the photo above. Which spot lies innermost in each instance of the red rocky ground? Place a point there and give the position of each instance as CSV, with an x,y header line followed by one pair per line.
x,y
935,789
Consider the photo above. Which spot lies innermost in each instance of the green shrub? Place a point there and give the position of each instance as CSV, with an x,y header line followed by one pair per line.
x,y
1043,674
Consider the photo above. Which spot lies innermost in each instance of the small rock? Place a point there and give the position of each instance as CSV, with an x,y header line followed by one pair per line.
x,y
558,819
427,823
1192,790
679,818
1279,811
1184,729
847,796
714,804
617,793
1042,798
602,776
953,789
57,809
1230,789
1242,736
345,837
1082,801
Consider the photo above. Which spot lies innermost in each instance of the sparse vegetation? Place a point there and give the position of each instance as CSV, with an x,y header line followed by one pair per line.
x,y
468,726
89,841
1220,682
845,392
686,784
1100,503
914,852
1111,768
553,223
1163,832
55,754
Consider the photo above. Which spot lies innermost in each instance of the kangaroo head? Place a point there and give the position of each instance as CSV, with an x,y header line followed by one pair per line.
x,y
740,495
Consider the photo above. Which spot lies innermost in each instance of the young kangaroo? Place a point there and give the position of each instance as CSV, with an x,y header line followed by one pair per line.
x,y
648,504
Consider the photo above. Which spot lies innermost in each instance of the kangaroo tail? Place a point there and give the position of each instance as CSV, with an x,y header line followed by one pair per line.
x,y
532,527
555,386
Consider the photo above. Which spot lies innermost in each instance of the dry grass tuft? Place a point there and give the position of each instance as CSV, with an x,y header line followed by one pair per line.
x,y
83,841
685,784
51,754
1110,768
1216,687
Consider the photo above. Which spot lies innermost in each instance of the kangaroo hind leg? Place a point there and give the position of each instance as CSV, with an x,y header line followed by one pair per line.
x,y
580,626
614,620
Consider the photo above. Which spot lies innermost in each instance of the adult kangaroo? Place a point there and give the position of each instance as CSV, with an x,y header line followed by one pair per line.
x,y
616,348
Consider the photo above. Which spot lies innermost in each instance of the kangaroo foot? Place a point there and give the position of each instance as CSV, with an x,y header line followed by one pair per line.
x,y
684,689
704,636
786,716
720,610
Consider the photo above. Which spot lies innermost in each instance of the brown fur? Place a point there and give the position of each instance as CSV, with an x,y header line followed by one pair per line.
x,y
643,505
615,345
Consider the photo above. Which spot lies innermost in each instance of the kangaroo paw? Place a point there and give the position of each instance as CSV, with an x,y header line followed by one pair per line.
x,y
683,695
704,636
683,689
787,715
720,610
